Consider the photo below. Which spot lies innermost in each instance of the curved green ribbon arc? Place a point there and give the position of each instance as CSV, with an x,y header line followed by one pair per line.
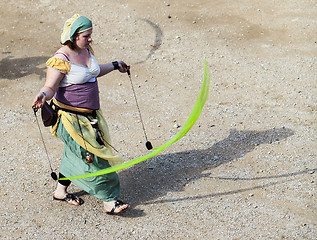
x,y
199,104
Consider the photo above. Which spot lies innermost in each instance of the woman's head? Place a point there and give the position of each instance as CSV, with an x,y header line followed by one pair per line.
x,y
76,29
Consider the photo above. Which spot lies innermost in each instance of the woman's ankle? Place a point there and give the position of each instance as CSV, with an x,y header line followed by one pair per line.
x,y
60,190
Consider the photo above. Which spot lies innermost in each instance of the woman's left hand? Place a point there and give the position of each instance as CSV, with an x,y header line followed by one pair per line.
x,y
123,67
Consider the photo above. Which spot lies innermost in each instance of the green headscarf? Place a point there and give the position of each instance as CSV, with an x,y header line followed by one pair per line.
x,y
76,24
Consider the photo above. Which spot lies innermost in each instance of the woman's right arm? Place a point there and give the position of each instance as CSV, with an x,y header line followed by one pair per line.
x,y
53,78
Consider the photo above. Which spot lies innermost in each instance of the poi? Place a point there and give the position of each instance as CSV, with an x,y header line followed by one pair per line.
x,y
199,104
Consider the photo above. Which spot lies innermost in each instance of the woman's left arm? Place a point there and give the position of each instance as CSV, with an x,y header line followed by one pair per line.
x,y
109,67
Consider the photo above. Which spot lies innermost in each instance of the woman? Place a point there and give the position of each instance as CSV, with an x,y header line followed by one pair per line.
x,y
71,83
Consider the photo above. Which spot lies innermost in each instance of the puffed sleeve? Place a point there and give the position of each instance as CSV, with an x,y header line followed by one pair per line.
x,y
59,64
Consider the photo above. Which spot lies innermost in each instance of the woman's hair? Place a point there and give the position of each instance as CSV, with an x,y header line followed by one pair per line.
x,y
72,45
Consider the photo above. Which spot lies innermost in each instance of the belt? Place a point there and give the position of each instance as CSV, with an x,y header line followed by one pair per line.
x,y
92,117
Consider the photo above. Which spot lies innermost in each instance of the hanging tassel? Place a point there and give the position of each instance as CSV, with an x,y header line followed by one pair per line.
x,y
89,158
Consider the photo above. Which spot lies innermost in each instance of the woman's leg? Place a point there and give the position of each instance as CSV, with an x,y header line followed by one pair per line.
x,y
63,182
61,192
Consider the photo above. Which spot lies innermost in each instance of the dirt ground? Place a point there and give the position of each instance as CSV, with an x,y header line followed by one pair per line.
x,y
247,168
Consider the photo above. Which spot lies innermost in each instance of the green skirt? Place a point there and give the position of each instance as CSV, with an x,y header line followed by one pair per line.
x,y
105,187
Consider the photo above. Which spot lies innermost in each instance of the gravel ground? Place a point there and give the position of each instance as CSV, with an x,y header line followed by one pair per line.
x,y
246,170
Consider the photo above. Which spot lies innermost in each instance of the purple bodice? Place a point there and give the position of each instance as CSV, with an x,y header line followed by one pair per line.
x,y
84,95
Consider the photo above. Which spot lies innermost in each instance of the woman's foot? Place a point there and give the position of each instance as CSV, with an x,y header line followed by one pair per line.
x,y
61,194
70,198
115,207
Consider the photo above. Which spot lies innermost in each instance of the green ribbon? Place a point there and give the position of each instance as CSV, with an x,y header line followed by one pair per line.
x,y
199,104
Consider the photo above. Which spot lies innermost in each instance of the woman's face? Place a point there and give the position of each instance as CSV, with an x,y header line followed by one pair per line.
x,y
84,39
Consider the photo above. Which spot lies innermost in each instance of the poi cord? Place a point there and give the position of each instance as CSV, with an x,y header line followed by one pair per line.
x,y
148,144
53,174
196,111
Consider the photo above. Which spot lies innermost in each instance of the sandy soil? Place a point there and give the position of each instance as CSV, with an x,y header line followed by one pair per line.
x,y
246,170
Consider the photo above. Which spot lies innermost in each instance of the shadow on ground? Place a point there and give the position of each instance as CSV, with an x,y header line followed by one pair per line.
x,y
12,68
146,182
157,42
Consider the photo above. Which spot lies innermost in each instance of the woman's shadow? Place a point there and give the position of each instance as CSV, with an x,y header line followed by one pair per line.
x,y
152,179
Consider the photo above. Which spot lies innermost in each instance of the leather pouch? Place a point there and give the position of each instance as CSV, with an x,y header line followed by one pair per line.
x,y
49,115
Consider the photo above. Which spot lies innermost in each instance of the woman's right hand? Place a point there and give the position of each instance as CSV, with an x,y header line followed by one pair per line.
x,y
39,100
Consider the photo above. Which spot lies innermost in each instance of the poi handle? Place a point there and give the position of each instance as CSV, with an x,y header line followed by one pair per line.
x,y
34,109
